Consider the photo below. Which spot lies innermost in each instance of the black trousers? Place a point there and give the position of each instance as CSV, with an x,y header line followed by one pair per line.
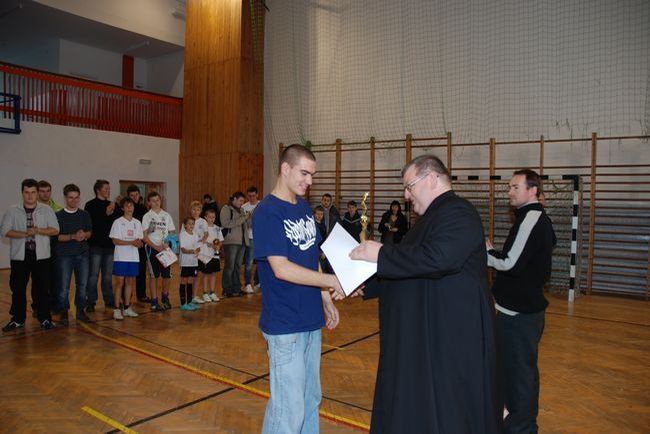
x,y
519,338
21,271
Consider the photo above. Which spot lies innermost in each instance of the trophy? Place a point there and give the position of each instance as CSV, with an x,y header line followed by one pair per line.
x,y
364,218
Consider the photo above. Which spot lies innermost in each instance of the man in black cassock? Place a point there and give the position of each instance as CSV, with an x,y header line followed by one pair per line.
x,y
437,359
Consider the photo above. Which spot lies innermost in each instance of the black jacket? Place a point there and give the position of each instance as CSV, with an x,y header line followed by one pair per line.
x,y
524,264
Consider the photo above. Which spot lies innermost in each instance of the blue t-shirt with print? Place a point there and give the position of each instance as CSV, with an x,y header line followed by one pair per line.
x,y
281,228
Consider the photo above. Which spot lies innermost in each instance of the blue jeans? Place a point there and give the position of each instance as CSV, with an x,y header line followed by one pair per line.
x,y
230,281
101,259
520,336
249,256
66,265
294,364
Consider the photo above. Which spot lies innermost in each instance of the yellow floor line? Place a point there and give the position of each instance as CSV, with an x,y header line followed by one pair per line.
x,y
335,347
218,378
107,420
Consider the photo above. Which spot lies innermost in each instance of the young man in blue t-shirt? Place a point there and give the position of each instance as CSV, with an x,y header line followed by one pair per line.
x,y
294,306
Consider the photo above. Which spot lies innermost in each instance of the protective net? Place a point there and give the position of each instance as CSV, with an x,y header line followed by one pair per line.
x,y
506,69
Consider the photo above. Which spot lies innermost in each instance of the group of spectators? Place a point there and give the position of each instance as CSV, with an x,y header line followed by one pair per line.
x,y
120,239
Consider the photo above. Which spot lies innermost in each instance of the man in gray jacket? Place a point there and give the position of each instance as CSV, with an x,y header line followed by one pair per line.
x,y
235,223
29,226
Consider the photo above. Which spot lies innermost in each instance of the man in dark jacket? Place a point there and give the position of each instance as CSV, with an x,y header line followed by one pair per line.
x,y
523,266
351,222
437,354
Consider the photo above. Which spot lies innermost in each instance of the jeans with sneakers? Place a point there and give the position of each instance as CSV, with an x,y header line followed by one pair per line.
x,y
101,259
230,281
66,265
294,361
249,256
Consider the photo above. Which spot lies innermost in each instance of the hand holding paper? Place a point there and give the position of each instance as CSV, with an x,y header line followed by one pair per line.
x,y
351,273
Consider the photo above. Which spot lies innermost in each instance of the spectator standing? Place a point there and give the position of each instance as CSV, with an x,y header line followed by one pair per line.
x,y
29,227
138,213
103,213
250,279
72,254
236,223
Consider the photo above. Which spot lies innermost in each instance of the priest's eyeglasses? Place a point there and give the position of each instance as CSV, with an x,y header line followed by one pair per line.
x,y
411,184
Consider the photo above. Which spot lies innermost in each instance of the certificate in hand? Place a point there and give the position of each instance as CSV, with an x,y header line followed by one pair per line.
x,y
166,257
351,273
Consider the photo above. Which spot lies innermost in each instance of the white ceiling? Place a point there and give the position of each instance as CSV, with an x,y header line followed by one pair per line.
x,y
24,23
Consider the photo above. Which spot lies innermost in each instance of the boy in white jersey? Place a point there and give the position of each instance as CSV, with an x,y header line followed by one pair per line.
x,y
201,230
157,225
126,233
213,244
190,248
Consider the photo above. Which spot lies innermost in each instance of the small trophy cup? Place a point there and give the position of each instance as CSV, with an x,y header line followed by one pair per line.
x,y
364,218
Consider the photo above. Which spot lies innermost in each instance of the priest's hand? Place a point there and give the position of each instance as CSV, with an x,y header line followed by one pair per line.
x,y
331,312
366,251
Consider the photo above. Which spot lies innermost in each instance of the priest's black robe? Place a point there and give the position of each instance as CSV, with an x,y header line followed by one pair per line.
x,y
437,361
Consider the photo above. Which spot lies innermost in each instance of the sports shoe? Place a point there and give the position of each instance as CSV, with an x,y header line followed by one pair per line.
x,y
81,316
258,287
187,307
198,300
248,289
206,297
47,325
213,297
117,314
155,307
13,325
130,312
166,304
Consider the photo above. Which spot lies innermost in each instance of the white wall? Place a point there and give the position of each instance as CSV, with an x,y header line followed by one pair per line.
x,y
65,155
152,18
165,74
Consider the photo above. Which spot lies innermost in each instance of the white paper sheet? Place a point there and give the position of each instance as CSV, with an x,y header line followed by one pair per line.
x,y
351,273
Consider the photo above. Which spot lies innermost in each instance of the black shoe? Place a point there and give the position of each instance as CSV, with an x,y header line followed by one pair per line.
x,y
90,308
81,316
238,294
166,304
47,325
64,319
13,325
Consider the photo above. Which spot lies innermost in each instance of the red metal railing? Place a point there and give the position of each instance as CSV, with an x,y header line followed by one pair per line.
x,y
62,100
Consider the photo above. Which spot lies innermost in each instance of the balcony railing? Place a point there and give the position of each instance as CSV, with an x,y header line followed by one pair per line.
x,y
62,100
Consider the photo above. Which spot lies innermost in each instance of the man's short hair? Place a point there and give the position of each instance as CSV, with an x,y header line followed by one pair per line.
x,y
427,163
352,203
319,208
70,188
28,183
131,188
327,195
44,184
532,179
152,194
99,184
292,154
125,200
251,189
237,195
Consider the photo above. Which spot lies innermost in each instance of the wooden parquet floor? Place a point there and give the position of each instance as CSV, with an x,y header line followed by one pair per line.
x,y
207,371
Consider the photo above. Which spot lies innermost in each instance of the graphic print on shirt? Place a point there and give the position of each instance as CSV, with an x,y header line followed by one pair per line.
x,y
301,233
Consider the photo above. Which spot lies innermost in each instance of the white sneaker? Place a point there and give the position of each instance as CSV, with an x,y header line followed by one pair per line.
x,y
213,297
117,314
198,300
206,297
130,312
248,289
258,286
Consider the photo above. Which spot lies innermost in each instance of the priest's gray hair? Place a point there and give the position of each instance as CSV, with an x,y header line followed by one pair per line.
x,y
428,163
